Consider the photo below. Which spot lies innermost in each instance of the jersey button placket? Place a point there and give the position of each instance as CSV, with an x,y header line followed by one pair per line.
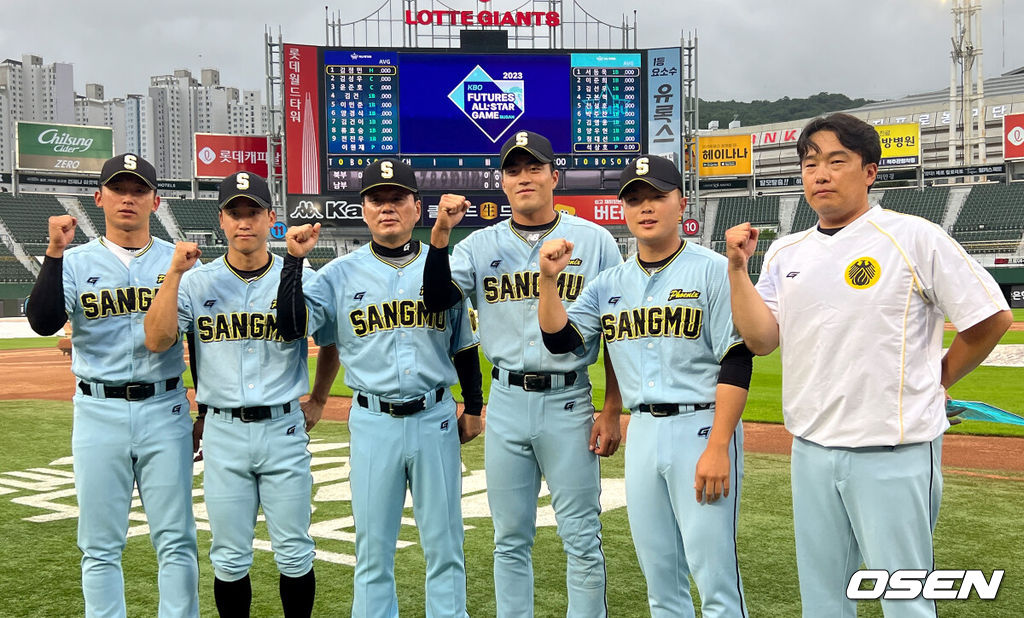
x,y
250,362
135,326
404,348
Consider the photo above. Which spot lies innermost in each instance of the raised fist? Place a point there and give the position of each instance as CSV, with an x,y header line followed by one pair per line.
x,y
740,243
62,232
554,256
185,256
301,239
450,210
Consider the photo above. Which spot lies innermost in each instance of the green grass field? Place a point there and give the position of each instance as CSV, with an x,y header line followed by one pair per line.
x,y
39,568
27,343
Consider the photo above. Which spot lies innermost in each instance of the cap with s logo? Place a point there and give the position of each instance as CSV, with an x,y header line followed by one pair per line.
x,y
533,144
388,173
245,184
658,172
130,164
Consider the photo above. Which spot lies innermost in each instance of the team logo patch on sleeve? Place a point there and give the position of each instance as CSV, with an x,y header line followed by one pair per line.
x,y
863,273
678,294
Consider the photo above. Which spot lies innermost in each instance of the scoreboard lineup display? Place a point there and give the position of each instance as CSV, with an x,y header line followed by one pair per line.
x,y
448,113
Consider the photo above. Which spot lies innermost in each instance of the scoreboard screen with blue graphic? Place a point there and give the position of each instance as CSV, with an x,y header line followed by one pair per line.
x,y
451,111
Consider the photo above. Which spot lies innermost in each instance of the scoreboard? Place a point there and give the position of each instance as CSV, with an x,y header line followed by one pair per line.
x,y
361,109
606,104
447,113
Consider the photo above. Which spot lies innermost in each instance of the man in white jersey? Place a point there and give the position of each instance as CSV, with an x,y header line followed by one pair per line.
x,y
856,305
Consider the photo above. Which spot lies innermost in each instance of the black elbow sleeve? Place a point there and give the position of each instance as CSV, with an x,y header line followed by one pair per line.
x,y
467,365
291,305
45,309
737,367
566,340
439,291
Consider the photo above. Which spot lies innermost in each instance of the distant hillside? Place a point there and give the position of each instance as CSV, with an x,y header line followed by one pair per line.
x,y
782,110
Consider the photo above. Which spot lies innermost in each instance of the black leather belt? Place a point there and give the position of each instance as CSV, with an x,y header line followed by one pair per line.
x,y
671,409
534,381
400,408
133,391
249,414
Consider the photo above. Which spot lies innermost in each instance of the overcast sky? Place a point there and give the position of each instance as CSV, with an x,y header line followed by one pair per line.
x,y
749,49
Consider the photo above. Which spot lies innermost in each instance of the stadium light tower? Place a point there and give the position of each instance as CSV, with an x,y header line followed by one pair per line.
x,y
966,68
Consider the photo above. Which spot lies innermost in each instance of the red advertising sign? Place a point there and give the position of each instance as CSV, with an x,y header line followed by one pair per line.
x,y
301,119
1013,137
601,209
218,155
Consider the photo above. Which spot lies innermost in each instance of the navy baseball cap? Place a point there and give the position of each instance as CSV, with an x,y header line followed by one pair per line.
x,y
245,184
388,173
533,144
131,164
659,172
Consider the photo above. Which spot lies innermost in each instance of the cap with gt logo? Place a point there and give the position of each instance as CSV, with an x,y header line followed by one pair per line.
x,y
533,144
245,184
129,164
658,172
388,172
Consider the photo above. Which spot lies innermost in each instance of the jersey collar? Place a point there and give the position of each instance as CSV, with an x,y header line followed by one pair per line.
x,y
419,250
672,258
112,245
273,258
558,219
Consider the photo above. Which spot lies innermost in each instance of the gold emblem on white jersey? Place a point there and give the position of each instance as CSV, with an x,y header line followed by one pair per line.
x,y
863,273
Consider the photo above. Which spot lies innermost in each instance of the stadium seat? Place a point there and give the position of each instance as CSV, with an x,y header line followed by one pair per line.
x,y
27,215
992,218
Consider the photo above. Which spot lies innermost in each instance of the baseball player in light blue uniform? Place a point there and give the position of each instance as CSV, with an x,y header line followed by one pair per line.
x,y
540,417
684,372
398,360
250,381
131,421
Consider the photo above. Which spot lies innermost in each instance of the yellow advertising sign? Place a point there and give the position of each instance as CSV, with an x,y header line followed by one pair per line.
x,y
725,155
901,144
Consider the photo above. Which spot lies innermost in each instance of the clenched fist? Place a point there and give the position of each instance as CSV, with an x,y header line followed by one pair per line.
x,y
184,258
450,211
62,232
554,257
301,239
740,243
